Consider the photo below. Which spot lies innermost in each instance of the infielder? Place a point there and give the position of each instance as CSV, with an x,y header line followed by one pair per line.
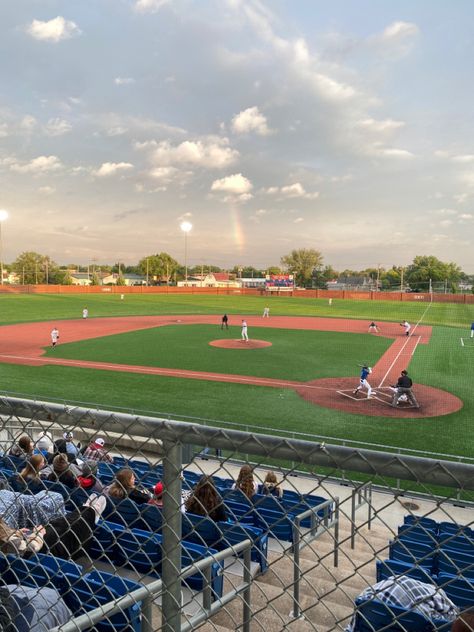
x,y
85,312
54,336
365,371
244,331
407,327
266,312
373,328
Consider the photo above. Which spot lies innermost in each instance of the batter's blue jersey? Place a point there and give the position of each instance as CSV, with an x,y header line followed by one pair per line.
x,y
364,373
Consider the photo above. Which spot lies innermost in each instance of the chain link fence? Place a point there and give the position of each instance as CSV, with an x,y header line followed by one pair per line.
x,y
111,521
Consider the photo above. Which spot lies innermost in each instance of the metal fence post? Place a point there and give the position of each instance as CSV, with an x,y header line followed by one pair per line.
x,y
296,570
171,565
247,610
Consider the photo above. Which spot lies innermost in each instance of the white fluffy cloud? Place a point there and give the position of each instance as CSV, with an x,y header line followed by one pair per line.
x,y
57,127
149,6
379,126
53,30
250,120
399,31
213,153
236,184
124,81
112,168
39,165
295,190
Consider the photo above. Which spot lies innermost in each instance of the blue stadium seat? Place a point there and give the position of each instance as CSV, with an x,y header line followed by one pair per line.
x,y
455,528
460,543
373,615
455,562
419,533
458,589
389,568
122,511
233,533
151,518
413,553
429,523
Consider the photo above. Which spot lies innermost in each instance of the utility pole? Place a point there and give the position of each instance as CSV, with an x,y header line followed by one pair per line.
x,y
402,270
36,273
147,275
202,273
378,276
47,274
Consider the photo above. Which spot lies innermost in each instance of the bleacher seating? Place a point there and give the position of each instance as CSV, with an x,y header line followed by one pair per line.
x,y
373,615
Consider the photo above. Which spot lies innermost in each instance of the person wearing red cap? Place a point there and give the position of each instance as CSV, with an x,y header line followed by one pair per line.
x,y
95,451
157,498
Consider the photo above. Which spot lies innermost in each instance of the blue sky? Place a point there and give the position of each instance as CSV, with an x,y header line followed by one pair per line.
x,y
344,127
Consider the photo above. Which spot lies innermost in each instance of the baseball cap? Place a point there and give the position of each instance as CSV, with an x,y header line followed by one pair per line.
x,y
158,489
100,441
68,435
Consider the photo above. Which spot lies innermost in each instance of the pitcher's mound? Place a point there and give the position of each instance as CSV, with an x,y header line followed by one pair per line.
x,y
225,343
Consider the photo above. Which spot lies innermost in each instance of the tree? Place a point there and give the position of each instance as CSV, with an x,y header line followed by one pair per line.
x,y
428,272
323,276
303,263
34,268
160,266
273,270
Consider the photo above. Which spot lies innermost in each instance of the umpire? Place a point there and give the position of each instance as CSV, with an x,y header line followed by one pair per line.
x,y
403,387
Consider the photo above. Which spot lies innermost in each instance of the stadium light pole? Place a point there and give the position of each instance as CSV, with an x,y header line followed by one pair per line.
x,y
3,217
186,227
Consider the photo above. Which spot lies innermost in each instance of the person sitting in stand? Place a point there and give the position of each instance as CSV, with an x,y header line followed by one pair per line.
x,y
24,447
124,487
62,473
31,609
88,478
29,478
157,498
206,501
45,446
27,510
246,482
95,451
66,537
66,445
270,486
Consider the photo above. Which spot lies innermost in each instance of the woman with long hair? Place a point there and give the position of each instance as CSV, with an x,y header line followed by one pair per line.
x,y
28,479
270,486
62,472
24,448
206,501
124,487
246,482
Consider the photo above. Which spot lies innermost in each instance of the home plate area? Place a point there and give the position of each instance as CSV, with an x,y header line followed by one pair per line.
x,y
383,394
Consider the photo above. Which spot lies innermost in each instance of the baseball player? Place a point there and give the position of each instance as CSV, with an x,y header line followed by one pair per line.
x,y
407,327
225,322
266,312
373,328
85,312
244,331
472,330
54,336
365,372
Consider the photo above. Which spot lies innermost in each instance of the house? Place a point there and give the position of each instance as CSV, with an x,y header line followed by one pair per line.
x,y
129,279
211,279
80,278
354,283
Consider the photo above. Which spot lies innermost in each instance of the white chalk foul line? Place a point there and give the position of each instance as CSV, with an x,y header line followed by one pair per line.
x,y
462,342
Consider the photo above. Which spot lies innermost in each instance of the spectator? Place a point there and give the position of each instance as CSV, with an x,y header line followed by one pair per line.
x,y
29,478
45,446
32,609
24,447
270,486
405,592
64,537
95,451
124,487
206,501
157,498
88,478
28,510
66,445
62,473
246,482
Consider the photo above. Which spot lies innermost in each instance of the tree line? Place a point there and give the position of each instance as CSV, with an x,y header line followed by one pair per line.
x,y
425,273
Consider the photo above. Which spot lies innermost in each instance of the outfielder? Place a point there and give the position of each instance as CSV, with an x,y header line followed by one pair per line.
x,y
472,330
365,371
85,312
54,336
266,312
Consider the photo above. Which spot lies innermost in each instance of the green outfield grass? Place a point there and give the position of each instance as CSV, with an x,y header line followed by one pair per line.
x,y
294,354
443,363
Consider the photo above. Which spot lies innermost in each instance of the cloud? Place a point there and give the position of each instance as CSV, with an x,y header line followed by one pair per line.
x,y
212,153
392,152
4,131
463,158
150,6
298,220
57,127
111,168
28,123
381,126
236,184
39,165
46,190
123,81
54,30
250,120
400,31
466,216
295,190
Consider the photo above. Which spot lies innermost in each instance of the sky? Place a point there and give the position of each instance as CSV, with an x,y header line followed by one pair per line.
x,y
346,127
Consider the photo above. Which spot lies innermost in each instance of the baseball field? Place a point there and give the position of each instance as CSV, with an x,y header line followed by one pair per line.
x,y
155,354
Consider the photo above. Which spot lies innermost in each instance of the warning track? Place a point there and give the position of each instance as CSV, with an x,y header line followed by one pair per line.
x,y
25,343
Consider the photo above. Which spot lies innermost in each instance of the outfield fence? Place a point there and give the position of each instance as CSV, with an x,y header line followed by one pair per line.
x,y
357,295
292,561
